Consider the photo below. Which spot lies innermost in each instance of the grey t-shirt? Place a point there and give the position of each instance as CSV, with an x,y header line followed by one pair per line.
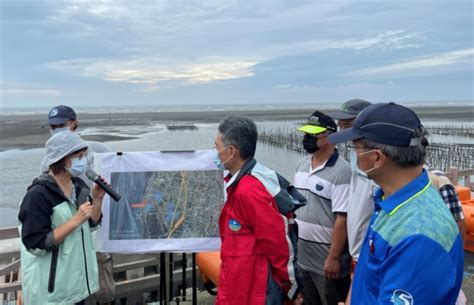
x,y
326,188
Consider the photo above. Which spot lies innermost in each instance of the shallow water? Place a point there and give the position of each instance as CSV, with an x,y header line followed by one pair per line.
x,y
18,168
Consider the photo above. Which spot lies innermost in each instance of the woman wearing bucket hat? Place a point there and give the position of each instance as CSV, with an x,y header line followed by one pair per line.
x,y
56,216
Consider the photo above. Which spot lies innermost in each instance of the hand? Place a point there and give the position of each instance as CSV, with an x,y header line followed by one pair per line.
x,y
84,212
97,192
299,299
332,268
340,303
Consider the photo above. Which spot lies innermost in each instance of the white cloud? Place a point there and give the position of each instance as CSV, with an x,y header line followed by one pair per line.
x,y
395,39
161,46
153,72
296,87
345,86
30,92
443,59
161,71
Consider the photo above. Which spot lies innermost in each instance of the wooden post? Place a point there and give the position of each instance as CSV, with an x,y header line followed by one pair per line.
x,y
19,300
2,281
454,175
11,295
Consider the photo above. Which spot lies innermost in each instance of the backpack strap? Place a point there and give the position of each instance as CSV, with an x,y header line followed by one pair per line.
x,y
245,170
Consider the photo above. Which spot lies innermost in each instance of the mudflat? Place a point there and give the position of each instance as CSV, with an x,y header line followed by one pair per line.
x,y
24,131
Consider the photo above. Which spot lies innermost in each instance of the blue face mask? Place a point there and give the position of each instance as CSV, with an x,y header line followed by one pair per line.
x,y
78,166
217,160
353,161
58,130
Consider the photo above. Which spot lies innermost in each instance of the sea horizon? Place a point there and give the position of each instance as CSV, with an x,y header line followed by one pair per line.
x,y
26,110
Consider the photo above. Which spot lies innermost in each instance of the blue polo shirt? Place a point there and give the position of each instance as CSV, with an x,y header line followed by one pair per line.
x,y
412,253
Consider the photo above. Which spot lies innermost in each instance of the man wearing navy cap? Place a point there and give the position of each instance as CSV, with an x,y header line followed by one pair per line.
x,y
61,118
61,115
323,178
412,253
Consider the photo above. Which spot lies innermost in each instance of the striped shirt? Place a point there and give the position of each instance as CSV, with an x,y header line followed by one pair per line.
x,y
326,188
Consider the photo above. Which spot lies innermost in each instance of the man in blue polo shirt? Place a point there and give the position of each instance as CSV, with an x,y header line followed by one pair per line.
x,y
412,253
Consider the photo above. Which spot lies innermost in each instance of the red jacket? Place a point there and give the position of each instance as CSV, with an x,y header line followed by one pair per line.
x,y
254,243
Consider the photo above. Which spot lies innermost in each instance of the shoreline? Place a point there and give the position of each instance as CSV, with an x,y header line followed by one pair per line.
x,y
24,131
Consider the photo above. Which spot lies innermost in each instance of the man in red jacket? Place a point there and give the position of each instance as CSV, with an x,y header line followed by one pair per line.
x,y
258,261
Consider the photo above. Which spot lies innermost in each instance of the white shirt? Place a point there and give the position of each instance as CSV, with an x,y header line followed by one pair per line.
x,y
359,211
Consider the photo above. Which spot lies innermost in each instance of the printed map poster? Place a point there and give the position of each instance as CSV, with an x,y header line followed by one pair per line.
x,y
170,202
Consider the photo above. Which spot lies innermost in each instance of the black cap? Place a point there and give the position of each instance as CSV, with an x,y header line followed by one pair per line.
x,y
60,114
318,122
384,123
350,109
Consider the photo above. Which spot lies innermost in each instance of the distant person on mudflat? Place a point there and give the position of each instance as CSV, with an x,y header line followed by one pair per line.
x,y
323,177
58,261
412,252
258,266
63,118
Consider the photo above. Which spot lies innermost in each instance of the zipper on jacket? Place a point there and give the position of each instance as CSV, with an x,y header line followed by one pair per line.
x,y
52,270
85,260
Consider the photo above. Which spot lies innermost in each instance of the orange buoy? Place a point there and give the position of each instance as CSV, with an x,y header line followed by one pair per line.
x,y
209,264
467,203
464,194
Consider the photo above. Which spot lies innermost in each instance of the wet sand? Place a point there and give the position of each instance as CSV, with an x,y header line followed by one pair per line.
x,y
25,131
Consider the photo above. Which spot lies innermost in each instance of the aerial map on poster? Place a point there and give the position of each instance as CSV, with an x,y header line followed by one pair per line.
x,y
170,202
167,204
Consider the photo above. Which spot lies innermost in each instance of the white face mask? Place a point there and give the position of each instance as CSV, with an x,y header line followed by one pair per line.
x,y
58,130
353,160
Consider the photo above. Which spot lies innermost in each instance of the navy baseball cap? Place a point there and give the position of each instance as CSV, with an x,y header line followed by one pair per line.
x,y
318,122
350,109
60,114
384,123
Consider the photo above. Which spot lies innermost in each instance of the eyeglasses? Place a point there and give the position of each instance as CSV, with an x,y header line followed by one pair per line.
x,y
350,144
221,148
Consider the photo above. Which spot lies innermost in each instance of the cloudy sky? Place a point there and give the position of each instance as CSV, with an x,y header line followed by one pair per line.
x,y
147,52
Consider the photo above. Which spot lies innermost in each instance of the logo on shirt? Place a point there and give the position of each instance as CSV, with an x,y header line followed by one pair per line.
x,y
234,225
401,297
319,187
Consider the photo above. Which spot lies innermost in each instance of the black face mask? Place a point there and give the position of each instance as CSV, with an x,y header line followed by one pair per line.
x,y
309,143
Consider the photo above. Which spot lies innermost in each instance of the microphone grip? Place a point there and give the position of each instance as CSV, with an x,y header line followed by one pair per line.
x,y
113,194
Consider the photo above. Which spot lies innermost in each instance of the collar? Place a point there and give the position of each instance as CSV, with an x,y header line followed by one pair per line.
x,y
413,189
329,162
231,179
245,169
332,160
